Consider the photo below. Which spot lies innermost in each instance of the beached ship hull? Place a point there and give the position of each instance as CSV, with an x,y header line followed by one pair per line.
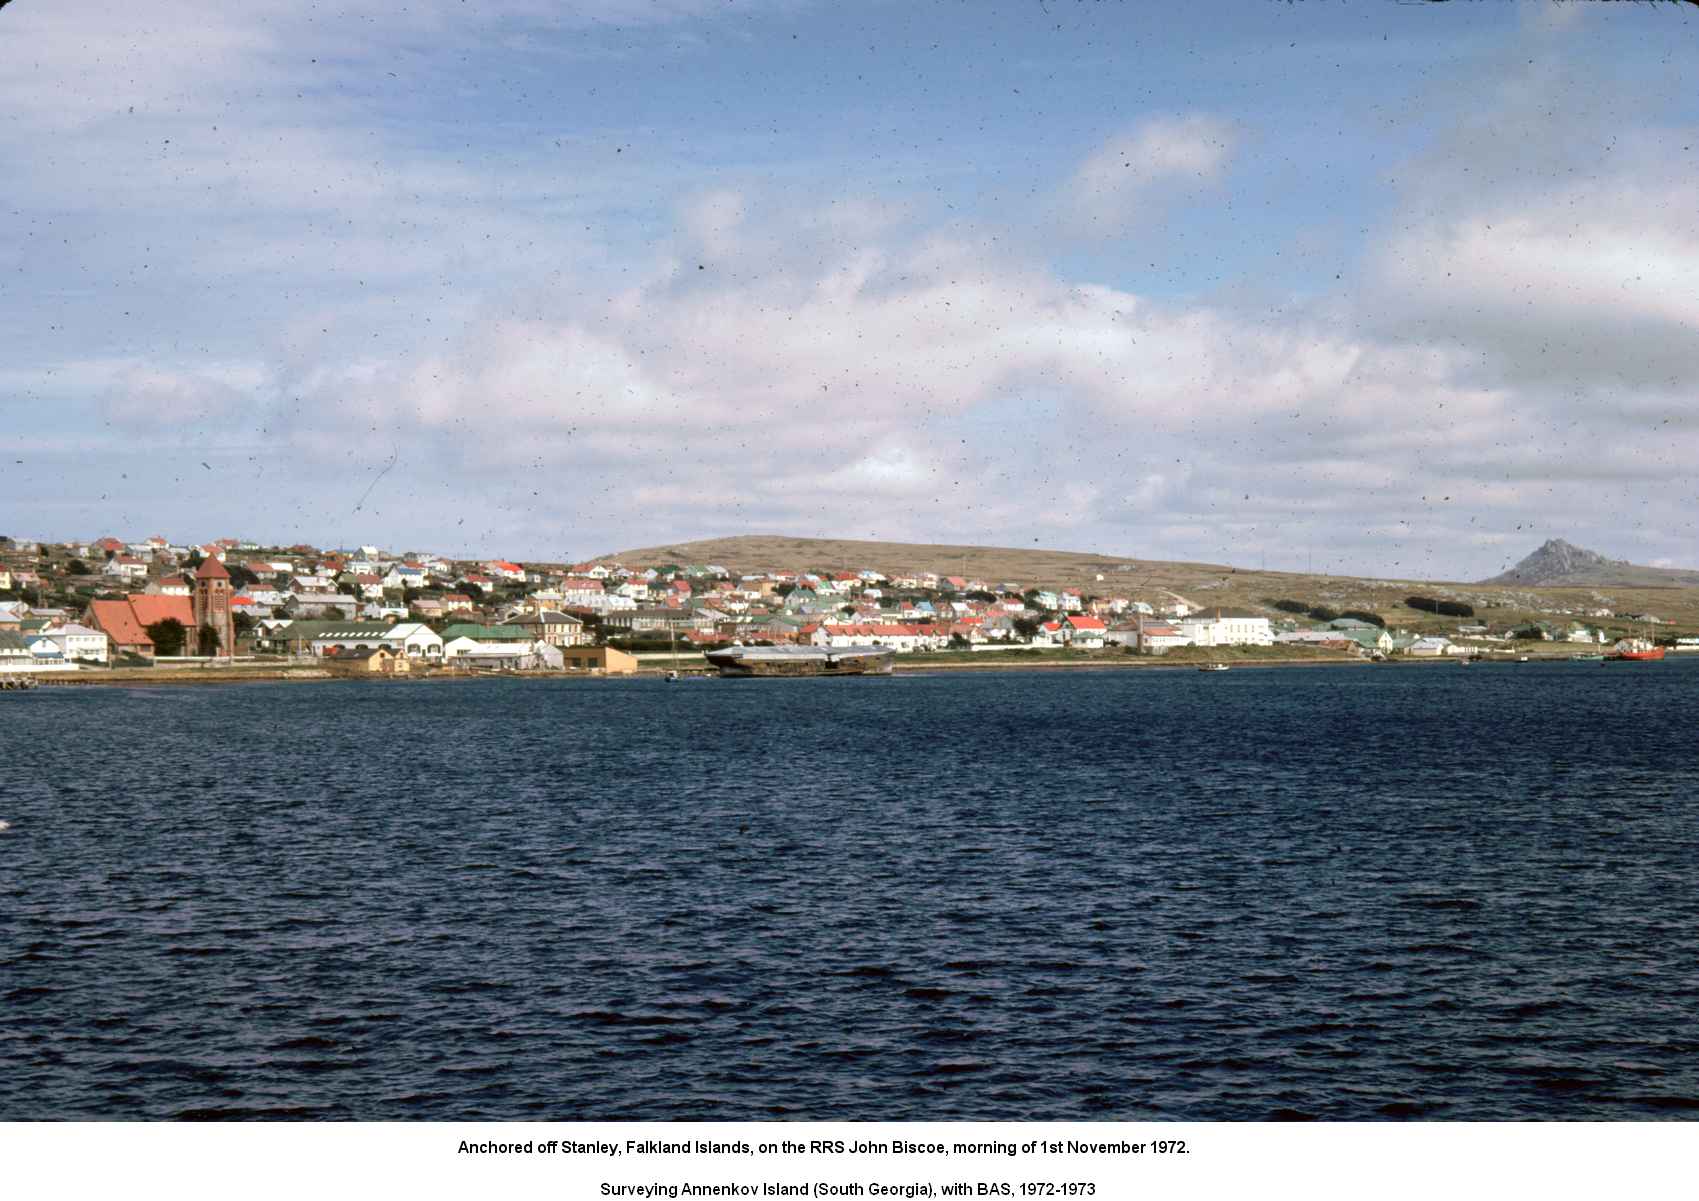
x,y
802,660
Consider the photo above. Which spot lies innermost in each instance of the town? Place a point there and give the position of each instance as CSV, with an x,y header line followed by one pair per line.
x,y
151,603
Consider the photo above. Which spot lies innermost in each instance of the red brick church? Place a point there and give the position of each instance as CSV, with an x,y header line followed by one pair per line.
x,y
212,610
125,621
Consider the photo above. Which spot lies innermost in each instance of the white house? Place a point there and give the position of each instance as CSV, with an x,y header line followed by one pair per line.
x,y
1221,628
1050,634
904,639
524,656
78,642
1431,647
125,567
415,640
405,575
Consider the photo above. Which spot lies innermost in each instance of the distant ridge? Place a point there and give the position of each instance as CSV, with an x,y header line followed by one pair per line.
x,y
1560,563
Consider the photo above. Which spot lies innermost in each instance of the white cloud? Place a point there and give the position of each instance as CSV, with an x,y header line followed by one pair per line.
x,y
1114,185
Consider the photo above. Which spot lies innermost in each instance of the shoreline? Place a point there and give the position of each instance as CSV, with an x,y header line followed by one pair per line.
x,y
190,677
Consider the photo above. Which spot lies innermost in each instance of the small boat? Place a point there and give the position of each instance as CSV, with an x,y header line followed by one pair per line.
x,y
1587,658
1214,667
672,677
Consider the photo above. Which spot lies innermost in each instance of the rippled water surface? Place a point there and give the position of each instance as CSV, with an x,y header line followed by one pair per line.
x,y
1435,892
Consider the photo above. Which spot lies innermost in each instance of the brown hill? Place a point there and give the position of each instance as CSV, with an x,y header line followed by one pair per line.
x,y
1559,563
1205,585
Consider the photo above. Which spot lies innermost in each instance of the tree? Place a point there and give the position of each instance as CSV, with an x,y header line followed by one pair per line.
x,y
1026,627
168,636
1374,619
76,567
209,640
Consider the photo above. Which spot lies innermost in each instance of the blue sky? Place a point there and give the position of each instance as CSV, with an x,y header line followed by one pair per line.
x,y
1396,289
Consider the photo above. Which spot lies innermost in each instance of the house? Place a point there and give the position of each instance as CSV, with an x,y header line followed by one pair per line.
x,y
1122,635
638,622
1431,647
904,639
125,567
1157,637
517,655
405,575
1050,634
79,643
171,585
553,627
415,641
43,650
325,605
580,590
1224,627
1333,640
14,652
298,637
368,660
505,570
483,633
604,659
1085,633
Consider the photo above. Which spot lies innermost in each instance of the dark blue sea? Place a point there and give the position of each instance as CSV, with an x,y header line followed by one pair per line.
x,y
1356,893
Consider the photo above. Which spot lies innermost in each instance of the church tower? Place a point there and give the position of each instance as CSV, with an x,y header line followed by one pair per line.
x,y
212,608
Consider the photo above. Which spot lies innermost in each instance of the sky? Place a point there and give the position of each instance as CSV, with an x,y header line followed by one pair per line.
x,y
1390,289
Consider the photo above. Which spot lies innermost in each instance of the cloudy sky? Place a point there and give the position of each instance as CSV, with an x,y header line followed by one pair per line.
x,y
1395,289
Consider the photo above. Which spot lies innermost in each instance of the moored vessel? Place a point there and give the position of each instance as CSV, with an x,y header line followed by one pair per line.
x,y
866,660
1635,650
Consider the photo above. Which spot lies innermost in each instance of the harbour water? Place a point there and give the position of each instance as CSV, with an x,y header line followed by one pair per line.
x,y
1332,893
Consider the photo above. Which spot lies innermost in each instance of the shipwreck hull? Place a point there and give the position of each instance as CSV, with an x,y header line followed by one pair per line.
x,y
802,661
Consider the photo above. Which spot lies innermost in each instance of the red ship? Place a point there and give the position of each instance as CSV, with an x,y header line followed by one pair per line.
x,y
1635,649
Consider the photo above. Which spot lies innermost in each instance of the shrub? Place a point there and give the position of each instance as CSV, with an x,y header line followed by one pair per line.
x,y
1374,619
1444,608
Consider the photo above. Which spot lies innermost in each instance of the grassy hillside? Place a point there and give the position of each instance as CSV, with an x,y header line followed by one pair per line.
x,y
1157,581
